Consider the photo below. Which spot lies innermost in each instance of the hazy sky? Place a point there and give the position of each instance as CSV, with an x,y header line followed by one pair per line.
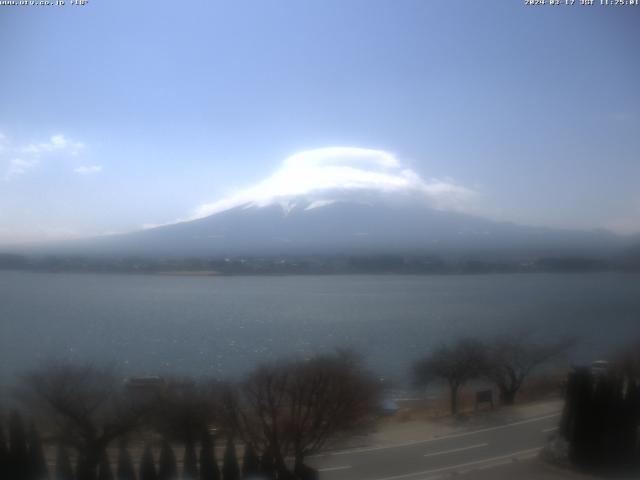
x,y
119,114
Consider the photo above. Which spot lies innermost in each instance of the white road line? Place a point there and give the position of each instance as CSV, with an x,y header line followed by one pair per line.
x,y
547,430
461,465
332,469
436,439
444,452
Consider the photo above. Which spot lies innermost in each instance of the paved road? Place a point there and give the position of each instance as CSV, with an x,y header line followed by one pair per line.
x,y
458,453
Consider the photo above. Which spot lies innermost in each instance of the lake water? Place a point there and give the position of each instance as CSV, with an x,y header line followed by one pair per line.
x,y
224,325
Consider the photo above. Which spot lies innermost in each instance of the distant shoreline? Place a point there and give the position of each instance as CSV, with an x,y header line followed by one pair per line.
x,y
189,273
217,274
378,264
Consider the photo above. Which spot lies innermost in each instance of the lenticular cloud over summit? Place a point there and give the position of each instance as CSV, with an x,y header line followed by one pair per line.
x,y
331,174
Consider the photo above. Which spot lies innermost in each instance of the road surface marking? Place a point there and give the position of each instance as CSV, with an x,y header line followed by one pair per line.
x,y
331,469
436,439
443,452
547,430
461,465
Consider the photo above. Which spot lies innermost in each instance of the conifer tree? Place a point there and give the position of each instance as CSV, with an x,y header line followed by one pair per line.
x,y
18,452
104,468
37,463
250,462
168,468
267,466
4,455
87,405
84,469
63,469
125,470
190,462
304,472
148,465
230,468
208,463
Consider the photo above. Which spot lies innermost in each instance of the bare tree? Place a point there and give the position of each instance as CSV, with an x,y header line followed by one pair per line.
x,y
87,406
256,410
185,408
328,396
295,408
512,358
456,364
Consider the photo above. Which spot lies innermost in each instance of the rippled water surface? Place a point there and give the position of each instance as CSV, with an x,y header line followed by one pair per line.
x,y
224,325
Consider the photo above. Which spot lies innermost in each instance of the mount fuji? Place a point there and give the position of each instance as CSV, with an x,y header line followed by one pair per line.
x,y
346,200
329,227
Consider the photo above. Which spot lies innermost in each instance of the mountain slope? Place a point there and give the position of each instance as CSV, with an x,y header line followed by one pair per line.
x,y
347,227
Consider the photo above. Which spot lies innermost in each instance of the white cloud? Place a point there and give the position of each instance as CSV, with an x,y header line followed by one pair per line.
x,y
27,157
56,143
88,169
19,166
327,173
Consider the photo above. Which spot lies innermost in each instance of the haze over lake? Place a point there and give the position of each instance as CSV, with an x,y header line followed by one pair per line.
x,y
223,326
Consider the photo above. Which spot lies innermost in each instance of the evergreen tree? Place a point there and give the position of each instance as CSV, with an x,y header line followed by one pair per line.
x,y
285,474
84,468
600,420
630,430
104,468
148,465
230,468
208,463
190,462
18,451
125,470
37,463
63,470
267,466
168,468
4,455
304,472
250,462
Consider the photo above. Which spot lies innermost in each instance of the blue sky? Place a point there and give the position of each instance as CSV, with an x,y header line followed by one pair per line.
x,y
119,114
